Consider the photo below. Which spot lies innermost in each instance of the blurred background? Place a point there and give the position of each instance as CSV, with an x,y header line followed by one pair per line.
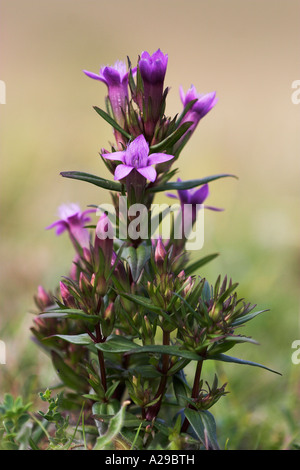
x,y
248,52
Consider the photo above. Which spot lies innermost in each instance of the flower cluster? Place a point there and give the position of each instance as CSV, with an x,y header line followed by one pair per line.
x,y
133,312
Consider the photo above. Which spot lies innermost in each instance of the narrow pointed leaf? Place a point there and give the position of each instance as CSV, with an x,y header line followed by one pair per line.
x,y
71,313
112,122
186,109
178,185
96,180
116,346
198,264
235,360
129,255
246,318
172,138
142,301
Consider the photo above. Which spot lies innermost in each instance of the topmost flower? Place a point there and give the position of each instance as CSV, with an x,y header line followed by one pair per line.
x,y
153,67
153,70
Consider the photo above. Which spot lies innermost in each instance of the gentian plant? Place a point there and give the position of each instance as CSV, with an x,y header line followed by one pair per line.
x,y
131,325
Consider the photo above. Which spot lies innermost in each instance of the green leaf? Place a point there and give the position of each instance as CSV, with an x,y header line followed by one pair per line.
x,y
240,339
111,390
117,344
143,254
198,264
145,371
91,396
235,360
143,301
129,255
228,343
170,350
244,319
136,258
96,180
83,339
114,428
203,423
186,109
112,122
181,389
120,344
68,376
178,185
74,314
171,139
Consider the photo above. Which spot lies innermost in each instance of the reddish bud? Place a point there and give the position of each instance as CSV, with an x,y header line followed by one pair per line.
x,y
43,299
160,253
67,298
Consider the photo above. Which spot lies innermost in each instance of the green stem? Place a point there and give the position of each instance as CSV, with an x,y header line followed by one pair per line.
x,y
153,411
101,339
195,392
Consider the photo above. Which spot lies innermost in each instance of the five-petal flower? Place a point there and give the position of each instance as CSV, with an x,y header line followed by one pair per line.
x,y
136,157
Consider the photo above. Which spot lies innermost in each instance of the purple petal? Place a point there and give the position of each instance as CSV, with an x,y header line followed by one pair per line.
x,y
218,209
95,76
137,152
122,171
61,226
84,217
199,196
184,194
68,210
111,75
119,156
205,104
153,68
172,195
155,158
148,172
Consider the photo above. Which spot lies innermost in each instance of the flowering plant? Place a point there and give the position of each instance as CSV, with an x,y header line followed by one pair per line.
x,y
133,312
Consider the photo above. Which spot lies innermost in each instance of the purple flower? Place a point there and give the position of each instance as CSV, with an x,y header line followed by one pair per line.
x,y
193,196
153,67
201,107
136,157
116,79
153,70
192,200
73,220
198,110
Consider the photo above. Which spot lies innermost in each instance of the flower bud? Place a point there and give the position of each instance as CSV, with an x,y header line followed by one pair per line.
x,y
84,283
67,298
104,241
43,299
160,254
87,255
108,320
